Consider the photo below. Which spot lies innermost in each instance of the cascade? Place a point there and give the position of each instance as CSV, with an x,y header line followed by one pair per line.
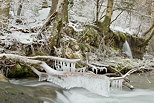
x,y
126,49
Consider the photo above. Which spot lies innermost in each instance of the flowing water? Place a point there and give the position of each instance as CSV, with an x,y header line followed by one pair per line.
x,y
126,49
144,92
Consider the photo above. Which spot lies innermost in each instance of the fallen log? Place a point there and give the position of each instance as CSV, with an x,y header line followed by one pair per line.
x,y
26,61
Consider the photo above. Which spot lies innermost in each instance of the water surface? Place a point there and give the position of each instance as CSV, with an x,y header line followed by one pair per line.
x,y
143,92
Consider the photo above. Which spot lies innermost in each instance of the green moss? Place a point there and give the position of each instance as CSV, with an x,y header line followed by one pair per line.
x,y
117,36
19,71
120,36
123,37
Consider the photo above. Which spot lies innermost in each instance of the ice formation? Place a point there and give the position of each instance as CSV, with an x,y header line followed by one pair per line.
x,y
64,66
96,68
116,84
99,85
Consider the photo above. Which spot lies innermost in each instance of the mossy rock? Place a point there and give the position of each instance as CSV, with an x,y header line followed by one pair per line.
x,y
120,37
20,71
91,36
116,40
135,45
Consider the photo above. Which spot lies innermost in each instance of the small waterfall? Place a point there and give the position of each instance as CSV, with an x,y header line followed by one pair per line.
x,y
126,49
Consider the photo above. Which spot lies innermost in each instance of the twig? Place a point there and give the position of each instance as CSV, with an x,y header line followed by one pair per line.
x,y
116,17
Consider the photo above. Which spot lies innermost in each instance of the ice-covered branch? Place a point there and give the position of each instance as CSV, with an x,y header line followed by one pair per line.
x,y
55,58
26,61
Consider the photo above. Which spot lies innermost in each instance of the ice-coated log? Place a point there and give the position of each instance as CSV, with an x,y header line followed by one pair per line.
x,y
99,84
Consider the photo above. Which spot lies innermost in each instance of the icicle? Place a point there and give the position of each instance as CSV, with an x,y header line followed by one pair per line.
x,y
103,68
94,69
68,69
56,67
61,64
117,84
81,69
72,67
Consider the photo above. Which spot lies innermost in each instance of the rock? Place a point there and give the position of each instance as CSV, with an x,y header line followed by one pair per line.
x,y
73,54
3,78
17,91
14,94
20,71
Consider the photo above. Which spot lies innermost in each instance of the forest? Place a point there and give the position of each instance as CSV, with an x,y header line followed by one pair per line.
x,y
57,51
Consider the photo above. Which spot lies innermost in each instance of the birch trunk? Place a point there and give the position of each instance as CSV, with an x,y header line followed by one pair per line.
x,y
60,20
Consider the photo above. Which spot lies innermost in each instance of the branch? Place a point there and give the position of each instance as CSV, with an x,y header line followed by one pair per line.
x,y
147,40
116,17
55,58
26,61
152,26
49,20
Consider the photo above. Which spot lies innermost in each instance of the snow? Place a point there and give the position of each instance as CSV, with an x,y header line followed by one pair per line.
x,y
76,26
32,15
82,12
22,37
123,30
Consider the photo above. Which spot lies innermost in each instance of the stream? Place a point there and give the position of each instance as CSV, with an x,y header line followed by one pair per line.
x,y
32,91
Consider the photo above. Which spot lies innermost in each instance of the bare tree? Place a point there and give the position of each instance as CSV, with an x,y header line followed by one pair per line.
x,y
4,12
107,20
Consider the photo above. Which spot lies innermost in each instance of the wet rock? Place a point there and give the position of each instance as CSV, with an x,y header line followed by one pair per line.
x,y
11,94
3,78
20,71
137,50
21,93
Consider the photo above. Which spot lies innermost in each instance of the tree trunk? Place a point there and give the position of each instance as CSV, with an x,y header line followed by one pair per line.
x,y
97,11
104,26
60,20
147,40
20,8
53,7
4,13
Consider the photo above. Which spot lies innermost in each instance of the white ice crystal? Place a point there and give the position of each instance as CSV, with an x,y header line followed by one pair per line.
x,y
99,85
